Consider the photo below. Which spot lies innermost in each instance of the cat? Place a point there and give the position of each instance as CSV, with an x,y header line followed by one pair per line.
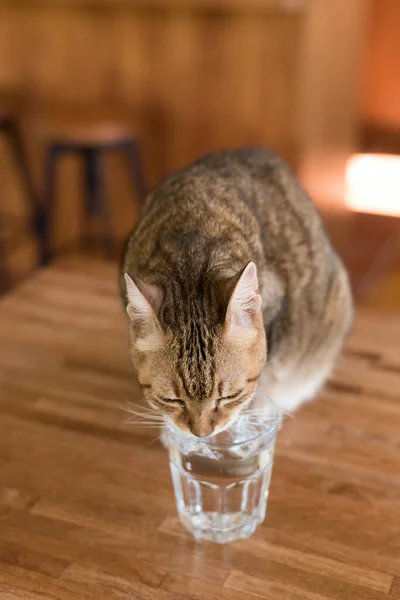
x,y
230,282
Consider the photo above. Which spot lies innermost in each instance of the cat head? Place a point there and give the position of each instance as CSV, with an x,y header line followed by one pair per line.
x,y
198,358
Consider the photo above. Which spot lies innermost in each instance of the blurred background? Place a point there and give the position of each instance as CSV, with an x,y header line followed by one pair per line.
x,y
100,99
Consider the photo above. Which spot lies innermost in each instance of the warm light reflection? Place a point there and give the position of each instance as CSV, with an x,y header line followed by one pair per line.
x,y
373,183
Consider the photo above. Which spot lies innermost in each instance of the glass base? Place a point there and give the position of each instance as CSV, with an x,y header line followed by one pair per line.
x,y
221,528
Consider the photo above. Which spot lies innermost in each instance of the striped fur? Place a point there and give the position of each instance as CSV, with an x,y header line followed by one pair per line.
x,y
198,231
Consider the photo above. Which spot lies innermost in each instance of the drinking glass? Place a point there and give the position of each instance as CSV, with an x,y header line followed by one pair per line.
x,y
221,482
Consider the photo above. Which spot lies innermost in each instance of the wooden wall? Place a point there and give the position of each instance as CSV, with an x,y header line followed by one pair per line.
x,y
192,75
191,80
380,98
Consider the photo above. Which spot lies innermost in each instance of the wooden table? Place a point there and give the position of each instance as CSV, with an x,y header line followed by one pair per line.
x,y
86,504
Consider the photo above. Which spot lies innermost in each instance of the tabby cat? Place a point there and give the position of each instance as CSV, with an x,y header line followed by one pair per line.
x,y
230,281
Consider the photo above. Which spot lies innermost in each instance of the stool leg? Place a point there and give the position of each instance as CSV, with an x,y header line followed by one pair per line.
x,y
4,272
17,148
5,278
133,156
96,202
52,155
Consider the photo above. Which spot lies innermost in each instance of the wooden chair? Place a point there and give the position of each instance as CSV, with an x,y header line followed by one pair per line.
x,y
90,137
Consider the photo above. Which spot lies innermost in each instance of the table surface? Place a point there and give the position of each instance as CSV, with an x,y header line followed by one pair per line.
x,y
241,6
86,504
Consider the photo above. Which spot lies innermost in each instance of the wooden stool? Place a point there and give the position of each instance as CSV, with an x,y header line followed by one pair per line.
x,y
10,129
90,139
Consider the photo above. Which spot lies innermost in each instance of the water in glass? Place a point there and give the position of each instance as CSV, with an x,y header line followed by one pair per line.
x,y
221,483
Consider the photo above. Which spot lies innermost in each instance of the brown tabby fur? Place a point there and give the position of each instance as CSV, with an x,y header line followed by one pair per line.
x,y
199,230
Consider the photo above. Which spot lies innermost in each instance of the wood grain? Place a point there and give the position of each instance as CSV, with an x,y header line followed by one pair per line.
x,y
329,79
260,6
183,76
380,97
395,591
190,76
86,503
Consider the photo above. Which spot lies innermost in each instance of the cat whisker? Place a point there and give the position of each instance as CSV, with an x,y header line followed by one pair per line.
x,y
144,424
140,413
136,405
259,415
259,412
259,420
156,439
134,419
151,394
137,409
147,395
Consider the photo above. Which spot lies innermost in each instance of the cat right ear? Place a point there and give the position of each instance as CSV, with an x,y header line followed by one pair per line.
x,y
144,300
244,307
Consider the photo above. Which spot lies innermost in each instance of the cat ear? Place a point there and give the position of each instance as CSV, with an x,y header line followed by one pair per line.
x,y
144,300
244,306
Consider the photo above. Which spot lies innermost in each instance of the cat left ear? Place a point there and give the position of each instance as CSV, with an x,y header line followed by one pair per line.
x,y
144,300
245,303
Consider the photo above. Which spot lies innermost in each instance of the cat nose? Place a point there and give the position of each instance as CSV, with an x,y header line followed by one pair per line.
x,y
201,429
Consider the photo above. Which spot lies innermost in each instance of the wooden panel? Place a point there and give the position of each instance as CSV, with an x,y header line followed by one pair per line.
x,y
86,502
380,102
334,35
192,77
260,6
209,78
190,81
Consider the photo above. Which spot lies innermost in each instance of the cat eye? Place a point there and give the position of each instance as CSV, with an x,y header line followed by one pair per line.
x,y
171,401
231,397
228,404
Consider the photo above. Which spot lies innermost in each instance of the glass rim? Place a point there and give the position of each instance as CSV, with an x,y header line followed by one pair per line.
x,y
207,441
